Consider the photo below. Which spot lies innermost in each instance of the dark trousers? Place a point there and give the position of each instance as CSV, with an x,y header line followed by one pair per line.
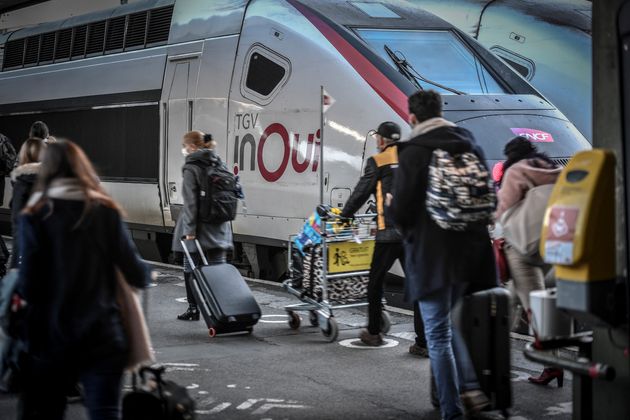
x,y
385,254
214,256
46,386
418,326
4,256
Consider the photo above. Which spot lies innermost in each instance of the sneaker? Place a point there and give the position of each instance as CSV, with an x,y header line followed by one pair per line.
x,y
416,350
474,401
373,340
191,314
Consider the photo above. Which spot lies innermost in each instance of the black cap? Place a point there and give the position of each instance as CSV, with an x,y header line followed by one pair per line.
x,y
389,130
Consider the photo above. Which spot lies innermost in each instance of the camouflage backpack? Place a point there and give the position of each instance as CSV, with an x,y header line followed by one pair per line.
x,y
460,191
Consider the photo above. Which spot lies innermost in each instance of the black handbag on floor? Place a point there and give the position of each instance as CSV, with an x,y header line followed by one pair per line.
x,y
157,399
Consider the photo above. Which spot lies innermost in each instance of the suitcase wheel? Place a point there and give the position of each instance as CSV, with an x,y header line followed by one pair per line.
x,y
332,330
212,332
294,320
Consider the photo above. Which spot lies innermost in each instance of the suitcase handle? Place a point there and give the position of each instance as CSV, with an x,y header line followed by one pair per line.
x,y
182,240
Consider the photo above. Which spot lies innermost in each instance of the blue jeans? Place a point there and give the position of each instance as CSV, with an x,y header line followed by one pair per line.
x,y
453,370
46,387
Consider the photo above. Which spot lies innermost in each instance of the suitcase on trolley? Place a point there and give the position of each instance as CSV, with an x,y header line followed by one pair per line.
x,y
484,322
223,297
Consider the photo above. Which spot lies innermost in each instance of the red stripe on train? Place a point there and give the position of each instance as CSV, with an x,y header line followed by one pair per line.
x,y
384,87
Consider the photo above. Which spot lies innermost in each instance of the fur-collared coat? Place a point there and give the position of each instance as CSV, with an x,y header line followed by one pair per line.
x,y
23,180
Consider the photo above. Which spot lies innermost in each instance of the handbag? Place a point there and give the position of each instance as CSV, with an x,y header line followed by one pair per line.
x,y
157,399
522,223
134,324
503,269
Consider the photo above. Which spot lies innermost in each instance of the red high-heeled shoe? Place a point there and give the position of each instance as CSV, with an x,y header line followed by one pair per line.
x,y
548,375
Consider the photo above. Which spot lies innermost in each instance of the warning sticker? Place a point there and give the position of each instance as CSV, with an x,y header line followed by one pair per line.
x,y
561,234
344,257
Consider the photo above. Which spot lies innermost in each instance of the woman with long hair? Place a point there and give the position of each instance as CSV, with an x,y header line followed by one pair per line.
x,y
524,169
215,238
23,180
72,243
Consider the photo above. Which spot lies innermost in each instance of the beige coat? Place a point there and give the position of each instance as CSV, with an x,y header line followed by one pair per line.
x,y
522,176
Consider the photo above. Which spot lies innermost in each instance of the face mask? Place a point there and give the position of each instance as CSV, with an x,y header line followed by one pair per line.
x,y
185,152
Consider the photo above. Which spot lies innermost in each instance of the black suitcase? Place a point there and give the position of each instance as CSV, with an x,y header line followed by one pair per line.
x,y
483,319
224,299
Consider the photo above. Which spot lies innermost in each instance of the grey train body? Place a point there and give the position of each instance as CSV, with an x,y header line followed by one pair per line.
x,y
126,83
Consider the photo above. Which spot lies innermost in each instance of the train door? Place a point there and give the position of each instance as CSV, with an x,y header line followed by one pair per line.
x,y
178,102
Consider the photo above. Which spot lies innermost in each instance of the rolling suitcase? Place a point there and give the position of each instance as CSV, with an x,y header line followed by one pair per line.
x,y
483,319
224,299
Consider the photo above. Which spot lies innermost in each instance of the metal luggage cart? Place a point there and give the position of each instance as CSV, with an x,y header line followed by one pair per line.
x,y
346,252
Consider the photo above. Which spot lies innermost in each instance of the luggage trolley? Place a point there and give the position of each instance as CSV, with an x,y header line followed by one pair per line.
x,y
336,276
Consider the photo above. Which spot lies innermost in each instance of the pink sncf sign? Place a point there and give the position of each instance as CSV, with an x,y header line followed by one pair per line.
x,y
535,136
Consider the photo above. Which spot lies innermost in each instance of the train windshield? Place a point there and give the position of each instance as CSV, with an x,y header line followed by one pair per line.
x,y
433,56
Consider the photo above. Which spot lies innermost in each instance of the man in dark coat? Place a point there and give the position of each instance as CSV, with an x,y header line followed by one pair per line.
x,y
377,180
441,265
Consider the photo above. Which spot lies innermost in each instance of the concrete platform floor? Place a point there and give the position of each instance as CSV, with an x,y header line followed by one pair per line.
x,y
279,373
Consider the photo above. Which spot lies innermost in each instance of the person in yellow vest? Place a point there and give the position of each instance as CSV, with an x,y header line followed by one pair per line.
x,y
377,180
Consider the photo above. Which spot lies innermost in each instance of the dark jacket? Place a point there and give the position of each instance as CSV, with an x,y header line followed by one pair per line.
x,y
377,179
436,257
68,278
23,180
210,236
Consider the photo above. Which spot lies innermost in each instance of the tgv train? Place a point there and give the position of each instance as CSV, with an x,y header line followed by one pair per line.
x,y
128,82
547,41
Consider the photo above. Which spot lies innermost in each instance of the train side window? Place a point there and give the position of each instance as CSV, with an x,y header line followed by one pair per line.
x,y
523,66
265,73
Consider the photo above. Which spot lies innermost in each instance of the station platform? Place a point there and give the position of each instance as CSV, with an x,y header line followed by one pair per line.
x,y
279,373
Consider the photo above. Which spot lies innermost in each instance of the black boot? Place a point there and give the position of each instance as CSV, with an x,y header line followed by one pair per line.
x,y
191,314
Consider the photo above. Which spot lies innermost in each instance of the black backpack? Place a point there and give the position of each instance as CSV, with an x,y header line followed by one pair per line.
x,y
219,192
8,156
158,399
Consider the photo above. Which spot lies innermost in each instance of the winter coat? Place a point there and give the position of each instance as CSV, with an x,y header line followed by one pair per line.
x,y
68,278
210,235
522,176
377,179
435,257
23,180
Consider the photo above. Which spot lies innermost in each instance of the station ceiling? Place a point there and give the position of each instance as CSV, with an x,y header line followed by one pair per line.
x,y
8,5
